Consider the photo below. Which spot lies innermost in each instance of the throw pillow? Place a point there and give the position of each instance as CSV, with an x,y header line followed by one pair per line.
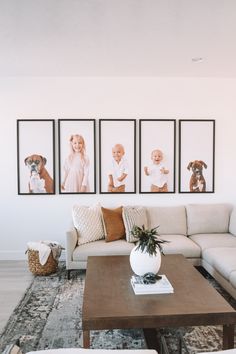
x,y
113,224
88,223
134,215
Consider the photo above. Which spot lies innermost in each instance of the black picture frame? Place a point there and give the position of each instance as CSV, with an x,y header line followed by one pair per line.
x,y
196,156
118,134
36,156
77,174
157,155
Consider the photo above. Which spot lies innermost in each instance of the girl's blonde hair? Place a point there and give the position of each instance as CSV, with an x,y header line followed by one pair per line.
x,y
79,137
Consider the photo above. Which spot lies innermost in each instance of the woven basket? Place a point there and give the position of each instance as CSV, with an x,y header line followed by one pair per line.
x,y
37,268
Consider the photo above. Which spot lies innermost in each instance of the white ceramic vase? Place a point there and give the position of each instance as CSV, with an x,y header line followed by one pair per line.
x,y
142,262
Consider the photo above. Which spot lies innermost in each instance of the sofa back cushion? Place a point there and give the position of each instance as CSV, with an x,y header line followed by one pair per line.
x,y
171,220
208,218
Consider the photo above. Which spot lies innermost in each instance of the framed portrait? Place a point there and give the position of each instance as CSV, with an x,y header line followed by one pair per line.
x,y
36,156
117,141
196,156
77,165
157,138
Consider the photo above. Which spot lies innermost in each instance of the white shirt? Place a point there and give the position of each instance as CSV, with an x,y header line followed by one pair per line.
x,y
157,178
117,169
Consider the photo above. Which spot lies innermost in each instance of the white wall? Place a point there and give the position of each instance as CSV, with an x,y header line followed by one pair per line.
x,y
29,218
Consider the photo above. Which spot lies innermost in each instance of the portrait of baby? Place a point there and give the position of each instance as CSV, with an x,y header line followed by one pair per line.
x,y
117,156
157,172
157,156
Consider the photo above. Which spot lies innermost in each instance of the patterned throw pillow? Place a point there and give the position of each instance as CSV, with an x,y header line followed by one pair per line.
x,y
113,224
88,223
134,215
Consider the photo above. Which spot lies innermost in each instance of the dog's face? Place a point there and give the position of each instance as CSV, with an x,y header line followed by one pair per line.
x,y
35,163
197,167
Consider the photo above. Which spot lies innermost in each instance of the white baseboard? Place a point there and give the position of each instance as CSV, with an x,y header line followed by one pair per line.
x,y
13,255
20,256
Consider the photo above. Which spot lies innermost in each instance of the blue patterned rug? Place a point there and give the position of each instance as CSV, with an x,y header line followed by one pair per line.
x,y
49,316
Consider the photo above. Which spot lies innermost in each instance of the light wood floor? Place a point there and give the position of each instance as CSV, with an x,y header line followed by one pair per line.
x,y
14,279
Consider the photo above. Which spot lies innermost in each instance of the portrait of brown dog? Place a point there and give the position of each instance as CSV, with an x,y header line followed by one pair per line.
x,y
40,179
197,181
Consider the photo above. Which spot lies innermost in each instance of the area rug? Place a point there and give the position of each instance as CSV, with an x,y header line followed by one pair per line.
x,y
49,316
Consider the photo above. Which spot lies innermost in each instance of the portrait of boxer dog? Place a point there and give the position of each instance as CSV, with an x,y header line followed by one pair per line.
x,y
197,181
40,180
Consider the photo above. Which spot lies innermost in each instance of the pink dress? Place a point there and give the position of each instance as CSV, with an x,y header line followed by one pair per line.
x,y
77,171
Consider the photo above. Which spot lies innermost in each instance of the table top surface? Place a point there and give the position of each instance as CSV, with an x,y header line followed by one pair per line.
x,y
110,302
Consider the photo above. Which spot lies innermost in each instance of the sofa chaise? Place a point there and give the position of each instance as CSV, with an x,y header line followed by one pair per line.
x,y
204,233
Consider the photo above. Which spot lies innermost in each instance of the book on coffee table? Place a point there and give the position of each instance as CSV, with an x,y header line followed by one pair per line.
x,y
162,286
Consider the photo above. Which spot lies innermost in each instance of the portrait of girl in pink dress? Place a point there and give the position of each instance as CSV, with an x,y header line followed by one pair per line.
x,y
76,167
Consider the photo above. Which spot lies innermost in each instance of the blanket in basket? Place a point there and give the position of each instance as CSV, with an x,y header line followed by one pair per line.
x,y
45,248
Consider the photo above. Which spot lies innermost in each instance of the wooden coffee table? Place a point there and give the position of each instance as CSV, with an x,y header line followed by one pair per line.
x,y
109,300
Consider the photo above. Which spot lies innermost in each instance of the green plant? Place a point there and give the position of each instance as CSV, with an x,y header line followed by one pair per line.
x,y
148,240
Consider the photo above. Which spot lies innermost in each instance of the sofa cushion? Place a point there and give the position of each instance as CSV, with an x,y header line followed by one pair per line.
x,y
114,228
232,222
102,248
88,223
214,240
208,218
223,259
180,244
134,215
171,220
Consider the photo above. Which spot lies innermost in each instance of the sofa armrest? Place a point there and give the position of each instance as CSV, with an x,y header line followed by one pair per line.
x,y
232,222
71,242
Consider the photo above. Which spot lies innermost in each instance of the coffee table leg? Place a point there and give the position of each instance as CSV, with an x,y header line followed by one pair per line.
x,y
86,339
228,336
151,339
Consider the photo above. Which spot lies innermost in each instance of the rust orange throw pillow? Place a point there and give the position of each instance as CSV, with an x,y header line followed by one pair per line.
x,y
113,224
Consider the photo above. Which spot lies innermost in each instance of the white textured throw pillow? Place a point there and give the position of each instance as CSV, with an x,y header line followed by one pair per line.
x,y
133,215
88,223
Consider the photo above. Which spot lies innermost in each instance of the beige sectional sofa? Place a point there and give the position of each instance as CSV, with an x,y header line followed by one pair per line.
x,y
204,233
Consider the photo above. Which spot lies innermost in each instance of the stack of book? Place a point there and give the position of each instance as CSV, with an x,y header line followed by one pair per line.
x,y
162,286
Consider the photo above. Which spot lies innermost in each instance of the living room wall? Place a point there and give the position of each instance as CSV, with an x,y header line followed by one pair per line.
x,y
47,217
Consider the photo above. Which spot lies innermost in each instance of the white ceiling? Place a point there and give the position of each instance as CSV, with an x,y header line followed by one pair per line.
x,y
118,38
